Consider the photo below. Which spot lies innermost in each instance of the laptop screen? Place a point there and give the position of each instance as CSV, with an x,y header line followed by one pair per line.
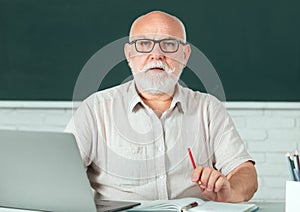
x,y
43,171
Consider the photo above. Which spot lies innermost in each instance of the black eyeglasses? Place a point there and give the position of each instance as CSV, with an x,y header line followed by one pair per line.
x,y
167,45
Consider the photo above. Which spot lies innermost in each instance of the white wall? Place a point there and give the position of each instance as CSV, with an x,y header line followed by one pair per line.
x,y
269,130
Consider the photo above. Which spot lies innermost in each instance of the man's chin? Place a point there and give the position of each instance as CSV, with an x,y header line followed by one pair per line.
x,y
156,89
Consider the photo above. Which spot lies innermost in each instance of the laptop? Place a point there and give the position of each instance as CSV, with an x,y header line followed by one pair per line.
x,y
43,171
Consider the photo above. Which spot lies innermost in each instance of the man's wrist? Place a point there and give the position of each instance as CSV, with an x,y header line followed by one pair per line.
x,y
236,196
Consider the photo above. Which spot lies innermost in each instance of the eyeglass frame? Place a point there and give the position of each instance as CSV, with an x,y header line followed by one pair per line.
x,y
155,42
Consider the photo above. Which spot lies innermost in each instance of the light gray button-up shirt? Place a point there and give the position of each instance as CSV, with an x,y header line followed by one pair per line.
x,y
130,153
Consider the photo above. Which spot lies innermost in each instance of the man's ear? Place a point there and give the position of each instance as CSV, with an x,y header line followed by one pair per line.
x,y
127,52
187,52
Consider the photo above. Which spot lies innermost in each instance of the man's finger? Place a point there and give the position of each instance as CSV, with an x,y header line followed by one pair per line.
x,y
205,175
214,176
197,173
220,183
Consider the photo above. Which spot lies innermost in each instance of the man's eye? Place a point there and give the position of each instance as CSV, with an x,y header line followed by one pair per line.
x,y
169,44
145,43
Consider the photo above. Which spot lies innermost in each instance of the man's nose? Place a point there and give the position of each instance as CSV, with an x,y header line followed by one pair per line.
x,y
156,52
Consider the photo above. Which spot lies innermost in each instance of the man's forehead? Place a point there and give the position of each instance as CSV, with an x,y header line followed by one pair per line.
x,y
153,37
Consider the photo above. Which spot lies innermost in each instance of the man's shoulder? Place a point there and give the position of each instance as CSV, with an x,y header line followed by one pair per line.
x,y
198,99
198,95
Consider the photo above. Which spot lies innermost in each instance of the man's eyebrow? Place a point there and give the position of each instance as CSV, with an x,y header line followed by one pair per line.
x,y
170,37
137,37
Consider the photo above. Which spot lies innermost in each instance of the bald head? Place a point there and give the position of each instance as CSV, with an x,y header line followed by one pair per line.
x,y
160,23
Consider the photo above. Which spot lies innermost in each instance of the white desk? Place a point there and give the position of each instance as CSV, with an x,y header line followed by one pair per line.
x,y
271,206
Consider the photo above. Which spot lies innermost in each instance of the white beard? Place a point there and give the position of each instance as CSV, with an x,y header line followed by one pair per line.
x,y
156,83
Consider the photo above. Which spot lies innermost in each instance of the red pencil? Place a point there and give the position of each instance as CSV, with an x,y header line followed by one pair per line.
x,y
192,158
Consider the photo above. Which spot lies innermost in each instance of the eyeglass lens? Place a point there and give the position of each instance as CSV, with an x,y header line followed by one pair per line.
x,y
147,45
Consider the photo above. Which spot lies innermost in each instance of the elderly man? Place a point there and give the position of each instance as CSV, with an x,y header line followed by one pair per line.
x,y
133,138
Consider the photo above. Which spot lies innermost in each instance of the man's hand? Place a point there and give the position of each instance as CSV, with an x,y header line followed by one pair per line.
x,y
238,186
213,184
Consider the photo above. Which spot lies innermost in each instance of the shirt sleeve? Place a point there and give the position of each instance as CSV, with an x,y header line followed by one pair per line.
x,y
82,126
229,151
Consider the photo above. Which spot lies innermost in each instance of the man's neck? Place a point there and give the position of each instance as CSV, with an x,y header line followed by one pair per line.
x,y
159,103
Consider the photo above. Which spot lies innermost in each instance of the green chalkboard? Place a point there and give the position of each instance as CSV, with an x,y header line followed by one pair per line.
x,y
253,45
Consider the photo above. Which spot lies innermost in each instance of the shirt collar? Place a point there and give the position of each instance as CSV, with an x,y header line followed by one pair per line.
x,y
133,97
178,98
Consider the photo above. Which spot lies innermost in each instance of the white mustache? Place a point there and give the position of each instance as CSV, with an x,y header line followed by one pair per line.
x,y
157,64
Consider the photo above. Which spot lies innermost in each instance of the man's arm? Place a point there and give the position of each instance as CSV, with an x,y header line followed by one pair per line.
x,y
238,186
243,181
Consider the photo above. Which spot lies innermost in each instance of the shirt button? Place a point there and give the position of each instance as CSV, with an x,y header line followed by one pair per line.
x,y
161,148
162,177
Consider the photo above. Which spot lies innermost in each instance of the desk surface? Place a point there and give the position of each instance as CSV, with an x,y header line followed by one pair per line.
x,y
271,206
263,206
